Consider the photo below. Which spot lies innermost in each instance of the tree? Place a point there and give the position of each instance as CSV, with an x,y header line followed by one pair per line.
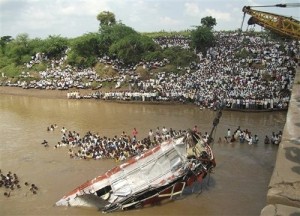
x,y
54,46
132,48
129,49
36,45
85,50
202,38
208,21
18,50
86,45
112,34
153,56
148,44
106,18
3,41
179,57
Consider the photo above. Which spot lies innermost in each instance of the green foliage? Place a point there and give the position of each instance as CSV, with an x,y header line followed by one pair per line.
x,y
54,46
11,70
171,53
202,38
81,61
124,43
105,71
3,41
72,58
171,68
108,85
25,58
19,51
209,22
179,57
39,67
266,77
99,67
144,73
36,45
84,50
245,41
186,33
131,48
114,39
112,34
27,79
154,56
148,44
242,54
106,18
5,60
185,57
17,48
86,45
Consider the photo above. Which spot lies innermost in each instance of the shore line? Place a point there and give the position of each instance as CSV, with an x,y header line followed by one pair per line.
x,y
62,94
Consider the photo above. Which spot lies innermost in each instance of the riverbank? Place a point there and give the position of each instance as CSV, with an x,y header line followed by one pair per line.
x,y
62,94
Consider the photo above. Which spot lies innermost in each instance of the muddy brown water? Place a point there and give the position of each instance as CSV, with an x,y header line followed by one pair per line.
x,y
238,185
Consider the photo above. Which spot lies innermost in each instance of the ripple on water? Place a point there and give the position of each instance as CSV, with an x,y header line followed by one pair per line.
x,y
27,158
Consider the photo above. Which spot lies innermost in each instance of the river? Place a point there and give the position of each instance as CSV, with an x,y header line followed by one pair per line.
x,y
238,185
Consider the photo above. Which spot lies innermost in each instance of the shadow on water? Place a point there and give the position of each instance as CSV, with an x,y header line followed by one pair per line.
x,y
295,214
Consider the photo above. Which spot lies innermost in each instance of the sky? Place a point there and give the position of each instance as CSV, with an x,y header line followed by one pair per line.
x,y
73,18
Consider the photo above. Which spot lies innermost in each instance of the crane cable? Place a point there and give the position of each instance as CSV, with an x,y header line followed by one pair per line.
x,y
281,5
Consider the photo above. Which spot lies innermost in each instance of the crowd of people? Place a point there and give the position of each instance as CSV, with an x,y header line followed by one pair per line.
x,y
11,183
94,146
275,138
246,136
260,80
173,41
221,77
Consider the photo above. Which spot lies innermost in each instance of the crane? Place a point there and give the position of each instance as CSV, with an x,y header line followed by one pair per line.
x,y
283,25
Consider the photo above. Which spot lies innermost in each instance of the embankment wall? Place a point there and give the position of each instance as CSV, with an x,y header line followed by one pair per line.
x,y
283,196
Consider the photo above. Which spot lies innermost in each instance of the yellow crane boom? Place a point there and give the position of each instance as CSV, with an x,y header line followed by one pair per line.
x,y
283,25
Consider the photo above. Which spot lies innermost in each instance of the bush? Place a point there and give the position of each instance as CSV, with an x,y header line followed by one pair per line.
x,y
266,77
5,61
11,70
242,54
39,67
105,71
144,73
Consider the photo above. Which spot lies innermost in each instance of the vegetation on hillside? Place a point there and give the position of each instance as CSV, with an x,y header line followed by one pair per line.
x,y
114,39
